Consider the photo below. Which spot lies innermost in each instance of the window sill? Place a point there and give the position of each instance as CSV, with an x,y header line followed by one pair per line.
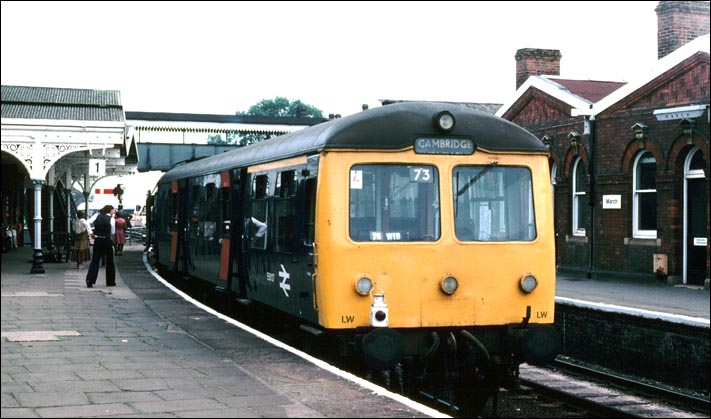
x,y
576,239
642,242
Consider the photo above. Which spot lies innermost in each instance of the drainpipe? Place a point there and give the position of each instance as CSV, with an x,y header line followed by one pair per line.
x,y
589,132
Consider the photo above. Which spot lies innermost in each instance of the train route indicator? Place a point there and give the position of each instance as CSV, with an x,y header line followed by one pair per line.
x,y
444,146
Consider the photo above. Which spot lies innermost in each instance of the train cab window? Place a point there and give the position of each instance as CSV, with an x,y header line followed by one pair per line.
x,y
493,203
394,203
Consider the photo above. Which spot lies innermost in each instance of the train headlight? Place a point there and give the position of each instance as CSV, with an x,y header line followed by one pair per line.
x,y
444,121
449,285
363,286
528,283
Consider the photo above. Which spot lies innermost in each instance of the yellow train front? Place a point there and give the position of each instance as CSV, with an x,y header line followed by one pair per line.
x,y
420,235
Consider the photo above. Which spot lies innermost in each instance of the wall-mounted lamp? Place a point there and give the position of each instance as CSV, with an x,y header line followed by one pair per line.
x,y
574,137
640,133
688,126
548,141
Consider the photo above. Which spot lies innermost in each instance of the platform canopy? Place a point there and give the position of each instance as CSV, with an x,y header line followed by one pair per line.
x,y
55,133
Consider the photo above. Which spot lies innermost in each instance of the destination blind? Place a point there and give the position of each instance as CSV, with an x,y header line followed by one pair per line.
x,y
444,146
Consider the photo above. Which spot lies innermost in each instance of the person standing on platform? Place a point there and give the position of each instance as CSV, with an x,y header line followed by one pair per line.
x,y
80,249
104,230
120,236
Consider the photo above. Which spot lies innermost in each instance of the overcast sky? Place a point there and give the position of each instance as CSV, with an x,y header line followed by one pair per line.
x,y
224,57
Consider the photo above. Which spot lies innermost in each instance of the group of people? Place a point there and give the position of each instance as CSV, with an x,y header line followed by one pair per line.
x,y
109,234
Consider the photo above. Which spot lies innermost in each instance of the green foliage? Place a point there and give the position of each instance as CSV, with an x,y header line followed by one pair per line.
x,y
250,138
216,139
281,106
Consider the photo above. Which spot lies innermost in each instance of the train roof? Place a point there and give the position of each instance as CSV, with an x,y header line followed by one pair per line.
x,y
390,127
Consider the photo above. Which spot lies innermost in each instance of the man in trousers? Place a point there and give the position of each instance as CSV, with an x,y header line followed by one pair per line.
x,y
104,230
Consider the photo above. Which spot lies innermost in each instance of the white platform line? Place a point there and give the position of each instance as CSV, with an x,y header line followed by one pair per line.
x,y
376,389
669,317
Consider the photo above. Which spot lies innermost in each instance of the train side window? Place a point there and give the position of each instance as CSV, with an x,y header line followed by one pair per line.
x,y
173,223
284,233
310,233
257,223
196,200
210,214
285,211
164,219
260,186
286,184
195,193
226,211
210,191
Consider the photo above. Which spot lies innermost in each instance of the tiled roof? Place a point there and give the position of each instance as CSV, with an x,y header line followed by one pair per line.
x,y
589,89
61,104
484,107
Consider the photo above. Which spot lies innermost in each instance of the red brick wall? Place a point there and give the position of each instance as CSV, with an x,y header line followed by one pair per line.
x,y
536,62
614,251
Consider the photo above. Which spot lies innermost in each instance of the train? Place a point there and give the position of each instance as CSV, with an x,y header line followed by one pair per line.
x,y
417,236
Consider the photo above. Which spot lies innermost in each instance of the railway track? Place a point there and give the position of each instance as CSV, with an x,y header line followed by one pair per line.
x,y
608,395
560,391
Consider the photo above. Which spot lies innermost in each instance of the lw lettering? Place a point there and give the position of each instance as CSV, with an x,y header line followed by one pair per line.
x,y
541,314
349,318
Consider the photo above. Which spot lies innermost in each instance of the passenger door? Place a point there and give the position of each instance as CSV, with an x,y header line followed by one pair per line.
x,y
279,255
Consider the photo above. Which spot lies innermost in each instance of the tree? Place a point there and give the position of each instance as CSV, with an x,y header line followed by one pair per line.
x,y
216,139
279,106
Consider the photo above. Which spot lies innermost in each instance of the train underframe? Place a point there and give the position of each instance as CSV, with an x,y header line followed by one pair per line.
x,y
459,367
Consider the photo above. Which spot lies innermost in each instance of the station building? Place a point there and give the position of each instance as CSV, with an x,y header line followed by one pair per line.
x,y
629,160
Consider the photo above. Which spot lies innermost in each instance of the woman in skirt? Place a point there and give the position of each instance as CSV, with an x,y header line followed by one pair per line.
x,y
82,230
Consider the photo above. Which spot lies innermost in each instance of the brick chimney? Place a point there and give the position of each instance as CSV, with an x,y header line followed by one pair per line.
x,y
534,62
679,22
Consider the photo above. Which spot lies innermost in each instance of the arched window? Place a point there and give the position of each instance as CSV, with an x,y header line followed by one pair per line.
x,y
644,196
580,206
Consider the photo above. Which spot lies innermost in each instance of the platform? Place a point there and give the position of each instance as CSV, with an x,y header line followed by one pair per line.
x,y
139,349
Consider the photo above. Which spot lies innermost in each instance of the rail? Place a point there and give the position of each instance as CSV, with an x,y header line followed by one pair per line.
x,y
651,390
